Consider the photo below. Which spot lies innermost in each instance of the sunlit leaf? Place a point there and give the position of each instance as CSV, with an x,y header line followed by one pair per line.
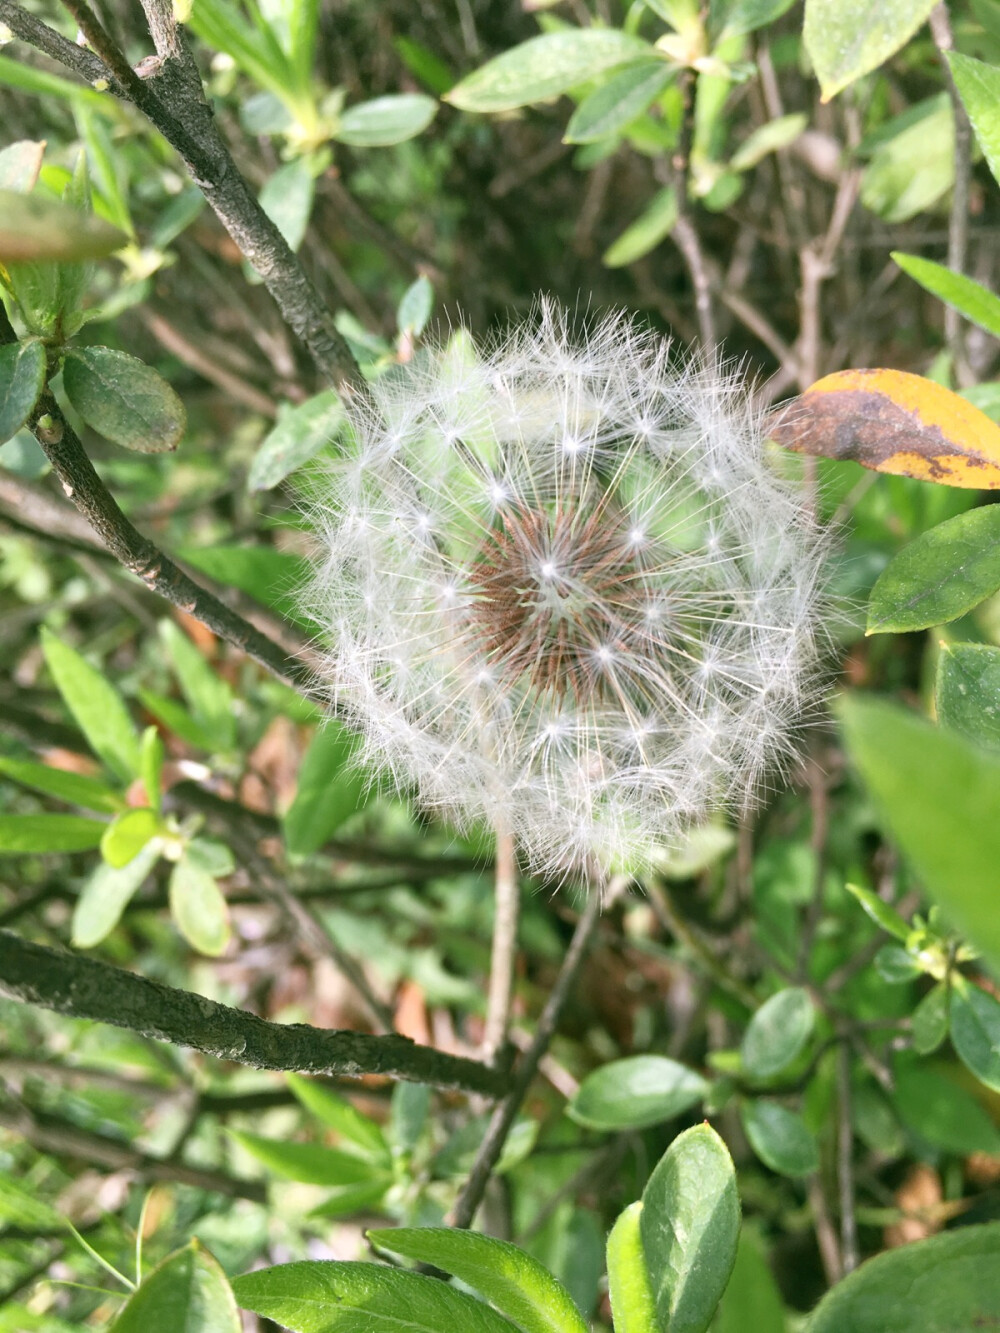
x,y
42,834
948,1283
780,1137
978,85
653,225
940,575
299,434
331,787
970,298
74,788
635,1092
940,798
128,834
967,692
107,893
689,1224
613,106
326,1296
848,38
386,120
777,1033
512,1281
199,907
892,421
629,1291
187,1293
544,67
312,1163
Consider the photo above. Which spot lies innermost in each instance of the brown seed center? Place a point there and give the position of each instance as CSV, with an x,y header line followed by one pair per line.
x,y
555,595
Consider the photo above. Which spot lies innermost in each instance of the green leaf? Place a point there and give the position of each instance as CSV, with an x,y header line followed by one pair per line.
x,y
653,224
613,106
544,67
415,307
940,575
880,912
330,788
22,379
41,834
632,1303
128,834
779,1137
25,1209
97,707
935,1108
848,38
913,163
33,227
975,1031
339,1114
106,894
947,1284
175,719
326,1296
978,86
311,1163
287,199
208,695
930,1020
385,120
970,298
511,1280
269,575
20,164
896,966
940,798
16,74
967,692
633,1093
123,399
212,856
74,788
731,18
349,1200
300,433
752,1300
198,907
777,1033
186,1293
689,1224
777,133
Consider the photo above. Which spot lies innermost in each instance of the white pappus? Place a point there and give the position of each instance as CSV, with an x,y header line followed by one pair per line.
x,y
564,592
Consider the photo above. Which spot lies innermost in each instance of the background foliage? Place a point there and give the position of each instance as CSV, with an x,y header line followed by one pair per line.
x,y
815,190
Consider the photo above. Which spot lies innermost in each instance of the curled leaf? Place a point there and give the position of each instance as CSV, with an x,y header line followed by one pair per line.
x,y
891,421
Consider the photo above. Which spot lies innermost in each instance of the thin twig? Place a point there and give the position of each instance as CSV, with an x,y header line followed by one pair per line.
x,y
503,1117
506,904
85,988
958,219
50,1134
845,1167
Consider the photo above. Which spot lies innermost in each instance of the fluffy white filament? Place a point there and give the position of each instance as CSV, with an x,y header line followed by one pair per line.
x,y
563,590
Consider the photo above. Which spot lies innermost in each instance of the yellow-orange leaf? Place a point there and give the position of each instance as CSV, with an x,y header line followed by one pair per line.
x,y
894,422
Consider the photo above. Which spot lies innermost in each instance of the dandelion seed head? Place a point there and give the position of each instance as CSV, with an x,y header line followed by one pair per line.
x,y
562,587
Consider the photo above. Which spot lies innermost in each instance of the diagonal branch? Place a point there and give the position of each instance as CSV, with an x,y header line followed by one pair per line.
x,y
85,988
143,558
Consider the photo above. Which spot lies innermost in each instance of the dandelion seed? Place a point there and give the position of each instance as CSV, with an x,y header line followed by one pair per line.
x,y
564,591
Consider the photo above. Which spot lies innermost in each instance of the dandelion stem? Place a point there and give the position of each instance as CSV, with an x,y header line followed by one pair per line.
x,y
506,911
600,896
